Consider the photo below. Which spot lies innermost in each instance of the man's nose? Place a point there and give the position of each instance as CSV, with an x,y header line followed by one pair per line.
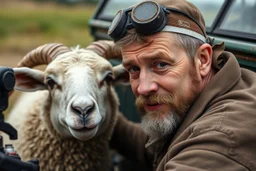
x,y
147,84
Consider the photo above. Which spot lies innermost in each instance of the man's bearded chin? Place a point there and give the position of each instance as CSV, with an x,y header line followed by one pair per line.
x,y
155,127
159,123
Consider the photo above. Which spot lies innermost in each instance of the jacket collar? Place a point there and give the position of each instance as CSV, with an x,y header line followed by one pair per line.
x,y
158,140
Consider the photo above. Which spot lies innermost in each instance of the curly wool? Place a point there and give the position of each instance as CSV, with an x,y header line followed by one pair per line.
x,y
38,139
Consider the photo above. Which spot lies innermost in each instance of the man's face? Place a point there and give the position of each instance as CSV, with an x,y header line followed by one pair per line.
x,y
164,81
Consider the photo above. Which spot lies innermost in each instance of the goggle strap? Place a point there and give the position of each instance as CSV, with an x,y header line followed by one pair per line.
x,y
187,15
188,32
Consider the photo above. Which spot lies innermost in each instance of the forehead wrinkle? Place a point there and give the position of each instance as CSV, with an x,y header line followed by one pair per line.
x,y
156,55
152,56
151,51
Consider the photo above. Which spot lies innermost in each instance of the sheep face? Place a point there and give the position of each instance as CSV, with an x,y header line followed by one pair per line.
x,y
79,83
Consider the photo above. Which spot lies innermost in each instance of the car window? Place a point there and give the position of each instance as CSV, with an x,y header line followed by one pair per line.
x,y
241,17
209,9
113,6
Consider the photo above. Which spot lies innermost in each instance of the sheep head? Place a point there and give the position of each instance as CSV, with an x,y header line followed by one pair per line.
x,y
79,82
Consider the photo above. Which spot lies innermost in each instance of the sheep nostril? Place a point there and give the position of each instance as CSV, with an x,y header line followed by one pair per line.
x,y
88,110
77,110
83,112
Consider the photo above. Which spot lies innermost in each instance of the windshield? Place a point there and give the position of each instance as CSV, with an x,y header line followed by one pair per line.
x,y
209,9
241,17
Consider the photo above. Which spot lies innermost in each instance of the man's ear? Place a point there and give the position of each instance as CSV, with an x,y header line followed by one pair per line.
x,y
29,80
121,76
204,61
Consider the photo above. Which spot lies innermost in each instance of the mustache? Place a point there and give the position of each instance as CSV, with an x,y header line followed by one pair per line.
x,y
179,107
154,99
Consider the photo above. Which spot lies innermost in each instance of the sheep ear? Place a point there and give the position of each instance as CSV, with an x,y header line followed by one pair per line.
x,y
121,75
28,79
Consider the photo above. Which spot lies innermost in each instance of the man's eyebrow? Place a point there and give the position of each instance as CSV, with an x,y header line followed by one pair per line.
x,y
154,56
126,62
159,56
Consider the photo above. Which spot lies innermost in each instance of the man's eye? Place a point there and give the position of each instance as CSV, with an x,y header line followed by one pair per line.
x,y
133,69
161,65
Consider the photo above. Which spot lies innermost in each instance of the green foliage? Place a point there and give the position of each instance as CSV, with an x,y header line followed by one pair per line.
x,y
42,23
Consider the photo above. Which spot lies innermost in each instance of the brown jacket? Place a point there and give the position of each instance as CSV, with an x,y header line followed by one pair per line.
x,y
218,133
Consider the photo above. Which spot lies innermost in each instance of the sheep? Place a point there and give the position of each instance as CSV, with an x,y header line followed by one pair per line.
x,y
67,113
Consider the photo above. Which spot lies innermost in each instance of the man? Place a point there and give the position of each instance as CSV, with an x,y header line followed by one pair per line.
x,y
197,104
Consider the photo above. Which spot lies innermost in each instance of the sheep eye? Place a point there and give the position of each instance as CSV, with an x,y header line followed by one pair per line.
x,y
50,82
109,77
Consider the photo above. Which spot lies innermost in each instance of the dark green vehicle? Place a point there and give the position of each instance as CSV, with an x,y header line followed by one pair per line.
x,y
230,21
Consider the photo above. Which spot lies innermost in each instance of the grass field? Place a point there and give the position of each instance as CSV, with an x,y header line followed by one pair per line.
x,y
25,25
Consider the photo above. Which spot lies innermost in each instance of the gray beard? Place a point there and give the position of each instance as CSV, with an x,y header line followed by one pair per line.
x,y
156,128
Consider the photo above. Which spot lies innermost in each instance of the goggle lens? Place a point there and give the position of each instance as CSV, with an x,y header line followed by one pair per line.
x,y
145,12
146,17
115,21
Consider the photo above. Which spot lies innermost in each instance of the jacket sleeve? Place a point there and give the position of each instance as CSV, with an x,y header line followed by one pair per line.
x,y
129,140
211,150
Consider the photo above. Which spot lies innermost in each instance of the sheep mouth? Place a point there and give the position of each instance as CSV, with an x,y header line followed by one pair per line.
x,y
84,129
84,133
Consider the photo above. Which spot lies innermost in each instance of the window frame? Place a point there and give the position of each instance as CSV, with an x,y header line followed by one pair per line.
x,y
217,30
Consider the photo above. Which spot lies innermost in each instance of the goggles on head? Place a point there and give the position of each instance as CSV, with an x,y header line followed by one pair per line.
x,y
149,17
